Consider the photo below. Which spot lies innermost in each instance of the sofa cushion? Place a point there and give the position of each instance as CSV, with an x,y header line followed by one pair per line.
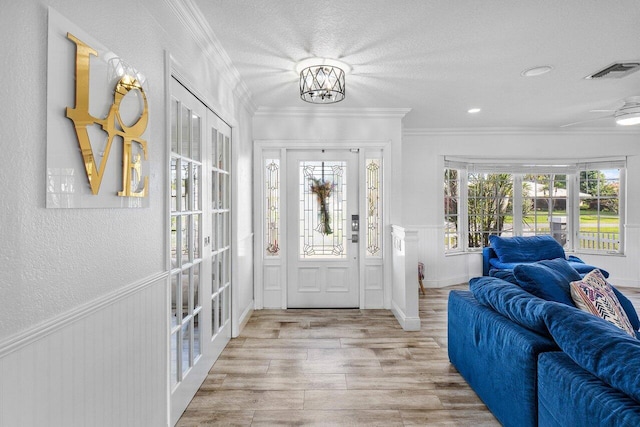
x,y
597,346
594,295
580,267
526,249
548,279
511,301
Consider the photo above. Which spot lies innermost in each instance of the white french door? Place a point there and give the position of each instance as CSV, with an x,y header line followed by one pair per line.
x,y
200,244
322,229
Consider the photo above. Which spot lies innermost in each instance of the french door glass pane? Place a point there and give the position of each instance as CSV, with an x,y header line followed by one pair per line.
x,y
175,289
185,144
221,308
214,232
196,236
220,152
174,184
174,124
196,336
227,153
195,137
214,316
214,275
185,186
214,142
186,346
227,304
220,195
185,293
196,286
214,193
174,241
174,359
184,232
196,187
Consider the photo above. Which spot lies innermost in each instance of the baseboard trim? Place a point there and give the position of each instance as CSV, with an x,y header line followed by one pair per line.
x,y
56,323
407,323
244,318
443,283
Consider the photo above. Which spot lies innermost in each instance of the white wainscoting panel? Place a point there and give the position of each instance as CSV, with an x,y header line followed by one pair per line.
x,y
374,286
104,367
404,303
444,270
272,279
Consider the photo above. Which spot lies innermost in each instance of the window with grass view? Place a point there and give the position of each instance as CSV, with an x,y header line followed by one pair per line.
x,y
600,210
451,209
578,204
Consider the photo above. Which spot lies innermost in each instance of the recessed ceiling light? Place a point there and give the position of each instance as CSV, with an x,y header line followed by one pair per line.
x,y
473,110
536,71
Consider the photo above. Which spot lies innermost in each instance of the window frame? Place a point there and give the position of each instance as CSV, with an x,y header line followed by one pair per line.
x,y
518,171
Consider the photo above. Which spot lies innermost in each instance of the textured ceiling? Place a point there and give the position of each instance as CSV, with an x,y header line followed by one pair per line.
x,y
440,58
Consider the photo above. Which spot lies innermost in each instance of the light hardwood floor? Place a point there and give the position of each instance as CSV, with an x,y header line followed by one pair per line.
x,y
338,367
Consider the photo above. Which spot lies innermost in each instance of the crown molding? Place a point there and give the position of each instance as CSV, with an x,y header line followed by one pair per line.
x,y
329,111
192,19
518,131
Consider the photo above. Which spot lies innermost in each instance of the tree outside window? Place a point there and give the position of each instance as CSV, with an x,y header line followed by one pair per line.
x,y
477,205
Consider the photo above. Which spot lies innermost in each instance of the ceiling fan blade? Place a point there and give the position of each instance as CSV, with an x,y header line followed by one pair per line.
x,y
586,121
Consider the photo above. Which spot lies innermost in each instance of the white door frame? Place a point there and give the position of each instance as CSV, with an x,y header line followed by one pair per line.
x,y
270,274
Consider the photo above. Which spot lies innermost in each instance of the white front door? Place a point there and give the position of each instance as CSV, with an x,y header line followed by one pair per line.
x,y
322,202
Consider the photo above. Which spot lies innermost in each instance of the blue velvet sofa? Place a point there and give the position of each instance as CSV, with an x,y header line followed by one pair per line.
x,y
507,252
536,361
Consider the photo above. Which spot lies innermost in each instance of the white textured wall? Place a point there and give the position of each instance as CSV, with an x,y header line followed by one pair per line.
x,y
56,262
422,196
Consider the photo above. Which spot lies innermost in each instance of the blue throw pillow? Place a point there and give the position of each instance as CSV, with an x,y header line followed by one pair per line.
x,y
548,279
628,308
583,268
511,301
504,275
597,346
526,249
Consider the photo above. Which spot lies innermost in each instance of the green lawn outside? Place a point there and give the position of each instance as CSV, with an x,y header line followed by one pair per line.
x,y
609,221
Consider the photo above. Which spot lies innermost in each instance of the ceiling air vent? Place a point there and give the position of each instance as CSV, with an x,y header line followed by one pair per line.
x,y
616,70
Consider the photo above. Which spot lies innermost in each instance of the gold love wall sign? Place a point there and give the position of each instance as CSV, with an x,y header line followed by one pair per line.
x,y
97,116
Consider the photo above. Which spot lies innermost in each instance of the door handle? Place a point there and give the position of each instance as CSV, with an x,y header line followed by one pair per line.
x,y
354,238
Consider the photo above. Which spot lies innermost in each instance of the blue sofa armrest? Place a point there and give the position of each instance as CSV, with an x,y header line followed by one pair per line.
x,y
497,357
570,396
487,254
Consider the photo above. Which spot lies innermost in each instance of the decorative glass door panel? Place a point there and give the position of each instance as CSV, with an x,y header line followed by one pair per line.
x,y
323,246
323,204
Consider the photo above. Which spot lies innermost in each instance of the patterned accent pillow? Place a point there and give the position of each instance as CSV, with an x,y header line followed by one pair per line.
x,y
594,295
